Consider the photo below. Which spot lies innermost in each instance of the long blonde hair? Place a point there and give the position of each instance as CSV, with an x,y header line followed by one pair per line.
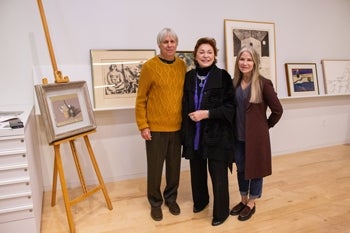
x,y
256,92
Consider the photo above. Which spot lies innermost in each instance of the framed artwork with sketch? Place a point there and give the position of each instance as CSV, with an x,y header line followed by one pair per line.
x,y
259,35
65,108
115,76
187,57
336,74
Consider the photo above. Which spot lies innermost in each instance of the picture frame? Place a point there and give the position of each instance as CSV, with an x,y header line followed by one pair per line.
x,y
302,79
188,58
115,76
66,109
336,74
259,35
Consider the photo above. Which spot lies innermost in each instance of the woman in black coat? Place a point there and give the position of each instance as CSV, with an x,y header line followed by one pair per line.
x,y
207,129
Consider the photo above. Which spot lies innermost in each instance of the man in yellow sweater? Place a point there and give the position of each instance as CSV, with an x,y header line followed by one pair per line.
x,y
158,117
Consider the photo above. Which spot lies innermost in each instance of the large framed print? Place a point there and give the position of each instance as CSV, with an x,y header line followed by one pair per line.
x,y
259,35
336,74
188,58
301,79
65,108
115,75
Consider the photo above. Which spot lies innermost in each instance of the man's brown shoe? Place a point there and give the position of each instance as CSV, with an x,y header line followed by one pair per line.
x,y
156,213
174,208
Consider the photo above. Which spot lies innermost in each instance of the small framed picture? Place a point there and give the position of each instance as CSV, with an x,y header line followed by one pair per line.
x,y
115,76
336,74
65,108
187,57
301,79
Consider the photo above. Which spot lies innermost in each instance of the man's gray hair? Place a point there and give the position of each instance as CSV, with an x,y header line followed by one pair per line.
x,y
165,32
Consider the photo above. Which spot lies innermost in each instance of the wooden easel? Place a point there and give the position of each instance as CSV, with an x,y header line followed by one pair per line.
x,y
58,170
58,166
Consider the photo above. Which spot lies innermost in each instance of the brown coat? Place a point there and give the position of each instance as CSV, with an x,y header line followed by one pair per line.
x,y
258,123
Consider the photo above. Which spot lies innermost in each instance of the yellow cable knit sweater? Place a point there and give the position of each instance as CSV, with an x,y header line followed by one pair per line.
x,y
158,101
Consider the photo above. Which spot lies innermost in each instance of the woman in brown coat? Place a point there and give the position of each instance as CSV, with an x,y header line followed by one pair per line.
x,y
254,94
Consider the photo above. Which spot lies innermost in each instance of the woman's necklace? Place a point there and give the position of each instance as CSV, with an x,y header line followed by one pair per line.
x,y
202,78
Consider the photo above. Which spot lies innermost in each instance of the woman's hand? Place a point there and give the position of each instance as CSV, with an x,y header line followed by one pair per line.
x,y
199,115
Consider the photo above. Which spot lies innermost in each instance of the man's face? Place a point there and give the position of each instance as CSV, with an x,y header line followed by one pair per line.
x,y
168,47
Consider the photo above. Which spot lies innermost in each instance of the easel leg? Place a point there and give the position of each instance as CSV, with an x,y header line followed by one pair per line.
x,y
58,163
54,180
98,173
77,164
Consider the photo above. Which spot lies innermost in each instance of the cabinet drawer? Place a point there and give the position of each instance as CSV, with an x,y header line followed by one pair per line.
x,y
9,204
14,158
21,212
14,187
12,143
14,172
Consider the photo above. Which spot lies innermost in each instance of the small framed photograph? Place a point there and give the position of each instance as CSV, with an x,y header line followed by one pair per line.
x,y
301,79
188,58
65,108
336,74
115,76
259,35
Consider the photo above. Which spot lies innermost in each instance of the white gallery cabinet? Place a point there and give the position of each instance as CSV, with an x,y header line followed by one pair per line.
x,y
21,186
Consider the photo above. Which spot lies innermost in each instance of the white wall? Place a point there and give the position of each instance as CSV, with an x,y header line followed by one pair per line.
x,y
306,31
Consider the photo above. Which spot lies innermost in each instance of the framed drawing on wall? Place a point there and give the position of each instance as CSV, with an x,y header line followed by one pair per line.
x,y
259,35
336,74
301,79
115,75
187,57
65,108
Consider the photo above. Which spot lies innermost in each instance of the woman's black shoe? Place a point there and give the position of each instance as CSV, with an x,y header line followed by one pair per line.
x,y
246,213
217,222
199,209
237,209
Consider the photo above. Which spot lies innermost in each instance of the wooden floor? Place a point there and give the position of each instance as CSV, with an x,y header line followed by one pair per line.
x,y
307,192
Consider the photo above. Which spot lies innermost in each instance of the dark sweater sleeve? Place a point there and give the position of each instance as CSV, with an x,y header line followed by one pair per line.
x,y
227,109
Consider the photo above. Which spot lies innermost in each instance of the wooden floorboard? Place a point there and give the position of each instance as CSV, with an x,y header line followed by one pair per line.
x,y
307,192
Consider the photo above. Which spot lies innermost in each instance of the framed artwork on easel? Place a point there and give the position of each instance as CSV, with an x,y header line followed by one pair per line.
x,y
65,108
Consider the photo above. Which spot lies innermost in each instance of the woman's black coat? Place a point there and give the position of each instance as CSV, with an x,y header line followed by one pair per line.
x,y
217,134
